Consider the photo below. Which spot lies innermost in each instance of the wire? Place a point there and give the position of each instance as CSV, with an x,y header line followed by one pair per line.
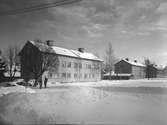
x,y
38,7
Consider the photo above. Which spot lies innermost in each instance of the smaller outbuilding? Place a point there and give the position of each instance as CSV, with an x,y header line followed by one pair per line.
x,y
135,69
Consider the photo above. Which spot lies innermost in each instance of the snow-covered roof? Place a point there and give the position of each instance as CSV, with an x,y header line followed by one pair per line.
x,y
85,55
65,52
134,63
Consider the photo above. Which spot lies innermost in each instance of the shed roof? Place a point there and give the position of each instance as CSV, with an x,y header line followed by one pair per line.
x,y
119,74
64,52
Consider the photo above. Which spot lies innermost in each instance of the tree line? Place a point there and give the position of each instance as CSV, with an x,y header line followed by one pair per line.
x,y
9,62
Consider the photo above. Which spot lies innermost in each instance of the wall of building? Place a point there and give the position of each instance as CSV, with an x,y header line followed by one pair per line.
x,y
123,68
76,70
30,56
138,72
162,73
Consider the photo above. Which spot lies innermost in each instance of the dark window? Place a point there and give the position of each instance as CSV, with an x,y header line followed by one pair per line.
x,y
63,75
85,76
68,75
89,66
50,75
64,64
93,75
98,66
75,65
80,65
75,75
69,65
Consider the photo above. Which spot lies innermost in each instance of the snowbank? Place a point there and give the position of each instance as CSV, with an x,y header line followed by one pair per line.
x,y
22,89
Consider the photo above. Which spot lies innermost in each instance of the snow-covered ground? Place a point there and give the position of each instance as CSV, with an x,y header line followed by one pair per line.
x,y
121,83
13,87
18,89
131,102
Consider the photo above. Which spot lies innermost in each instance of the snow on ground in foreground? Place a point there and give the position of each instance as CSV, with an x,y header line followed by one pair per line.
x,y
84,105
162,83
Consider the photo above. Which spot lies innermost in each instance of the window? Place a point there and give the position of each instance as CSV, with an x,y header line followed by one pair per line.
x,y
75,75
68,75
63,75
75,65
86,66
93,75
85,76
50,75
80,65
69,65
89,66
98,66
64,64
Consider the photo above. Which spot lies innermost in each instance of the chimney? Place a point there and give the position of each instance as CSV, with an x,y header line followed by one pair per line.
x,y
81,50
135,61
50,42
127,59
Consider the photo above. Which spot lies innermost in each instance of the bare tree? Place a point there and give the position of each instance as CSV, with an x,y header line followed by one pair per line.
x,y
2,67
151,71
12,60
110,59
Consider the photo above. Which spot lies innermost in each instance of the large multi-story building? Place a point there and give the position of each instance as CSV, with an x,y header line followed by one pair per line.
x,y
73,65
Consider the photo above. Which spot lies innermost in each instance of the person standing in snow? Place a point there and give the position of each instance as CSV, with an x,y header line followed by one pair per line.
x,y
46,79
40,82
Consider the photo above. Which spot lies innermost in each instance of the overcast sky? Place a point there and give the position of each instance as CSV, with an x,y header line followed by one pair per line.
x,y
136,28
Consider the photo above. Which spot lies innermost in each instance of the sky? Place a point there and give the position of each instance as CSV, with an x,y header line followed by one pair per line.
x,y
136,28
